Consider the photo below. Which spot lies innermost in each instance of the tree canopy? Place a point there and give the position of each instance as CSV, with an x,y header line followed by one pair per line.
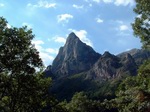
x,y
22,88
141,25
17,54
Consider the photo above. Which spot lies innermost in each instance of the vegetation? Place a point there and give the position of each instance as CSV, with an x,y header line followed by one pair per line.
x,y
141,26
22,89
133,94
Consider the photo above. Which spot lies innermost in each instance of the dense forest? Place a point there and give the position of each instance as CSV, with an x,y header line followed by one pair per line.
x,y
24,87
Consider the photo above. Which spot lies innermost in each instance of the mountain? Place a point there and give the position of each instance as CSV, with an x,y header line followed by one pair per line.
x,y
110,66
75,57
77,67
139,55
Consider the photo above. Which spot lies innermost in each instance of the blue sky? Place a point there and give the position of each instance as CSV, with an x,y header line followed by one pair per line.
x,y
103,24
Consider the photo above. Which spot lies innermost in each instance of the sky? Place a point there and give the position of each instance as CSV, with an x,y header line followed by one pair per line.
x,y
104,25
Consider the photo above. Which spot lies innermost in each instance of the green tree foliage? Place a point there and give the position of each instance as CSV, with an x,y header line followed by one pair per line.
x,y
17,54
81,103
133,94
22,89
141,26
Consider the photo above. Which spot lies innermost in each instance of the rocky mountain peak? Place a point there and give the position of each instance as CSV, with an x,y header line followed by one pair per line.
x,y
74,57
71,37
107,54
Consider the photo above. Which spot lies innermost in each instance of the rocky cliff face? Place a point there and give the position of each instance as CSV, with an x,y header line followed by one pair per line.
x,y
74,57
77,57
110,66
77,67
138,55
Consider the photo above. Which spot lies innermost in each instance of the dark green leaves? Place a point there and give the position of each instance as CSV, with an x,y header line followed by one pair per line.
x,y
141,26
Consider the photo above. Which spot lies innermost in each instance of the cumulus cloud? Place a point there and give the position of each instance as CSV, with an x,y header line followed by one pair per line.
x,y
107,1
52,51
64,17
38,44
97,1
46,58
44,4
59,39
99,20
2,5
123,27
77,6
124,2
8,25
117,2
82,34
45,53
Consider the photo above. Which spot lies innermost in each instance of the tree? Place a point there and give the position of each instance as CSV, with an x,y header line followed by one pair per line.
x,y
22,88
133,94
141,26
81,103
17,54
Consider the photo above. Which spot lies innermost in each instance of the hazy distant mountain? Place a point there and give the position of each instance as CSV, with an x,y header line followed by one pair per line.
x,y
77,67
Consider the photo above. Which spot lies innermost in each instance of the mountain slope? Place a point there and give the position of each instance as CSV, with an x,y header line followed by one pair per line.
x,y
74,57
77,67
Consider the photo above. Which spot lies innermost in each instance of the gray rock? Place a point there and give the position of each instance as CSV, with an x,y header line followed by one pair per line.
x,y
74,57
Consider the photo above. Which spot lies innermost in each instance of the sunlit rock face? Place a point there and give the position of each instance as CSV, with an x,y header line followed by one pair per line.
x,y
74,57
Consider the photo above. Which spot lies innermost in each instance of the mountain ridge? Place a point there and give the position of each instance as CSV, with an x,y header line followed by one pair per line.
x,y
77,67
77,57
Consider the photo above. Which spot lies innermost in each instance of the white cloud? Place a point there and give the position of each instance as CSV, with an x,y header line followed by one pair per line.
x,y
52,51
38,44
124,2
98,20
90,5
86,0
28,25
82,34
77,6
45,53
44,4
107,1
8,25
123,27
60,39
64,17
2,5
97,1
117,2
46,58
